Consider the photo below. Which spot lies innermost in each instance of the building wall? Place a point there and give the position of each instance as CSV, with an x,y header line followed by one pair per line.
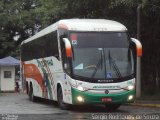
x,y
7,84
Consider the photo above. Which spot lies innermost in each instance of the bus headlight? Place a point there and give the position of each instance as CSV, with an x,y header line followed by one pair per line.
x,y
130,87
80,99
130,97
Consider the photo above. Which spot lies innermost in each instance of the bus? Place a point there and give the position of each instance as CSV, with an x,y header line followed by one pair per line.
x,y
80,62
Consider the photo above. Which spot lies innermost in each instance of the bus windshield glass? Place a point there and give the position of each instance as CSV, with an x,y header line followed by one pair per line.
x,y
101,55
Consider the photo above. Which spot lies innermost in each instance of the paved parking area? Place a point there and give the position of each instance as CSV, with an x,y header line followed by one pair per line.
x,y
18,105
15,103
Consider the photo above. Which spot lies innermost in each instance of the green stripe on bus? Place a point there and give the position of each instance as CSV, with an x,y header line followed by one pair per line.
x,y
90,98
46,79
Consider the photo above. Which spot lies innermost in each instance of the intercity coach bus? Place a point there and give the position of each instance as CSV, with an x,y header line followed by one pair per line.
x,y
81,61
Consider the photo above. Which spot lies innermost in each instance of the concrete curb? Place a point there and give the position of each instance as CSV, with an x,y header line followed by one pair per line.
x,y
144,105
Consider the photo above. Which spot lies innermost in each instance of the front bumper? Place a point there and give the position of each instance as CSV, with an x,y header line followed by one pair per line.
x,y
89,98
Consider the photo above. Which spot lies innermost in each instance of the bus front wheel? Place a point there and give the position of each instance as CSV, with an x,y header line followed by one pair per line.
x,y
62,105
112,107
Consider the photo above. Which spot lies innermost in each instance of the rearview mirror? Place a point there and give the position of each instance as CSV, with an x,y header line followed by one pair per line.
x,y
68,47
138,47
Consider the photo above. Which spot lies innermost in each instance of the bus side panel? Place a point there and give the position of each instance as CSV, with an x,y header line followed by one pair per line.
x,y
33,76
42,75
64,81
37,91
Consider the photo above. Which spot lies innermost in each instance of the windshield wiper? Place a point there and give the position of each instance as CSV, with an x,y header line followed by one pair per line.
x,y
98,65
114,65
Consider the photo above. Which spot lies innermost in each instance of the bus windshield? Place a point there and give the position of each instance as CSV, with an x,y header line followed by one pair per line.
x,y
103,55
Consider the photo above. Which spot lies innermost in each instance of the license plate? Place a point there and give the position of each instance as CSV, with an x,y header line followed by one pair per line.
x,y
106,99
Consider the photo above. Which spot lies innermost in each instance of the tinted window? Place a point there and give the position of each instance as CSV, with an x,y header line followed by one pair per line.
x,y
44,46
95,40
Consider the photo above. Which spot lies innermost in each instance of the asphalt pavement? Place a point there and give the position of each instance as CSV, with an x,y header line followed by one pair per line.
x,y
16,106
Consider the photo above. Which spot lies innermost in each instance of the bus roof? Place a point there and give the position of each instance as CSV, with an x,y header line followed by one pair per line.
x,y
81,25
91,25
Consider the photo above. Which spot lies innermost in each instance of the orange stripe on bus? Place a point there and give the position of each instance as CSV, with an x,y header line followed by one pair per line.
x,y
31,71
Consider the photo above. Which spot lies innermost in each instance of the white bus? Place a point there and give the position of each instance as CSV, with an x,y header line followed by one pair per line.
x,y
81,61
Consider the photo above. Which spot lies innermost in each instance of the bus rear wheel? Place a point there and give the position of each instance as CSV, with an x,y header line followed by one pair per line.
x,y
112,107
61,104
31,95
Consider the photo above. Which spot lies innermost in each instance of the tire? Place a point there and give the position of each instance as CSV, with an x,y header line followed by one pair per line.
x,y
112,107
61,104
27,88
31,95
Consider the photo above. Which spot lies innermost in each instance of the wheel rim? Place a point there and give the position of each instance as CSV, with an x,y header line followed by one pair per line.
x,y
60,100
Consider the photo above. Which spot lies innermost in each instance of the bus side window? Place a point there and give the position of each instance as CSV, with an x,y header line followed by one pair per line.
x,y
55,45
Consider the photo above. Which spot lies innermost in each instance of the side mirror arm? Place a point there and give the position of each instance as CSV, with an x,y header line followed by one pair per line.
x,y
138,66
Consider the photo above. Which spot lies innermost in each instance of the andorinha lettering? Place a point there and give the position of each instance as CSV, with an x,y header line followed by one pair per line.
x,y
45,62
